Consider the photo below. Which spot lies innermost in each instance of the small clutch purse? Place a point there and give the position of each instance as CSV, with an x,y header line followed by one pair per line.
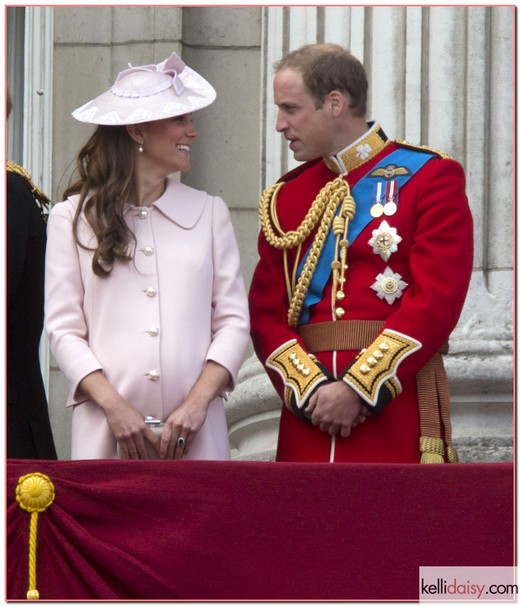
x,y
156,425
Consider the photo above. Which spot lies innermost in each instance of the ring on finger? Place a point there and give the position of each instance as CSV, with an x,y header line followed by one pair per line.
x,y
181,441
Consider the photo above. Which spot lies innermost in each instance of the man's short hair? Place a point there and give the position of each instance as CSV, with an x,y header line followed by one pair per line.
x,y
328,67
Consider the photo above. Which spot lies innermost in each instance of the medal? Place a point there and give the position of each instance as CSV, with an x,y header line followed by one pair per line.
x,y
385,240
390,207
389,286
377,208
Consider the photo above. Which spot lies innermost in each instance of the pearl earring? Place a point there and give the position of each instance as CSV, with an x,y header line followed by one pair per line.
x,y
140,148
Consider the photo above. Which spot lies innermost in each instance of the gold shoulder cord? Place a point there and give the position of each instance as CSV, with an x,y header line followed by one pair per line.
x,y
35,190
324,207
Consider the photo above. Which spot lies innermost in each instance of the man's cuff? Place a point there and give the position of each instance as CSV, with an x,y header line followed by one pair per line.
x,y
373,374
300,372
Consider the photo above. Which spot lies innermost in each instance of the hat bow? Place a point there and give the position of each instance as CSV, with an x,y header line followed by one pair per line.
x,y
148,85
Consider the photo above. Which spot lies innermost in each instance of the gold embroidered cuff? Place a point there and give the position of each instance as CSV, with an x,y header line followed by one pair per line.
x,y
299,371
373,372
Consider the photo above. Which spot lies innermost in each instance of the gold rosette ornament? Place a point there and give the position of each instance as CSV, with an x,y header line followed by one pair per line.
x,y
34,493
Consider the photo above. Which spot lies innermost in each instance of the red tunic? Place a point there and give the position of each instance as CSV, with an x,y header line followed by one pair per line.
x,y
434,258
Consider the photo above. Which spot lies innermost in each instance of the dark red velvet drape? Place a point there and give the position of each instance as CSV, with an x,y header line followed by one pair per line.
x,y
168,530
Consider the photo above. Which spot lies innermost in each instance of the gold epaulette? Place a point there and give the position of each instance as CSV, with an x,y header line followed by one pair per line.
x,y
424,148
35,190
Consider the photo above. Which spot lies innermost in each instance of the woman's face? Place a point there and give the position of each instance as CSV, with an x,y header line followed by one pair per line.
x,y
166,143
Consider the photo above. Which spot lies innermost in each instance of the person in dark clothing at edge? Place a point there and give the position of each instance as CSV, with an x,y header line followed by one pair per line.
x,y
29,433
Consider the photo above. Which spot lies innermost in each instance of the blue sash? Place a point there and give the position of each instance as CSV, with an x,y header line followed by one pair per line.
x,y
362,194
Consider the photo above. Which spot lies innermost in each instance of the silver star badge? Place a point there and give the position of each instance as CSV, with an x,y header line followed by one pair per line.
x,y
384,241
389,286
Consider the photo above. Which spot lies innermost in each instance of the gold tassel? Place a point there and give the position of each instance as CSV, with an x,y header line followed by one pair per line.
x,y
431,457
451,454
432,450
34,493
434,412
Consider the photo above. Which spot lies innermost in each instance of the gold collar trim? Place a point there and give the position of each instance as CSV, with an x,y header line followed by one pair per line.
x,y
359,152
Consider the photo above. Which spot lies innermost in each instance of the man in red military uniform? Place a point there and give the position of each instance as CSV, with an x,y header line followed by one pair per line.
x,y
365,258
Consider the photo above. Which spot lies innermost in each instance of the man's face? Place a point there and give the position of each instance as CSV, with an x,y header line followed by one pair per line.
x,y
309,130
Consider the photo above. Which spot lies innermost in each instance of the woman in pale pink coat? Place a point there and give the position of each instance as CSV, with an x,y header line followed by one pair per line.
x,y
146,309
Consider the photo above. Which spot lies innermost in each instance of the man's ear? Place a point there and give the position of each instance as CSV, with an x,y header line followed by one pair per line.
x,y
136,132
338,101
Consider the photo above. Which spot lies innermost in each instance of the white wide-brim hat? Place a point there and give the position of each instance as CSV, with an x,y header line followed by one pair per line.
x,y
147,93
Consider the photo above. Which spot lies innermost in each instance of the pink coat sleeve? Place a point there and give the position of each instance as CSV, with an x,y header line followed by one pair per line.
x,y
230,319
65,321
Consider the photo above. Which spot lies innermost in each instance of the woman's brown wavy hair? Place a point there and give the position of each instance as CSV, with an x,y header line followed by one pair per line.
x,y
106,182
